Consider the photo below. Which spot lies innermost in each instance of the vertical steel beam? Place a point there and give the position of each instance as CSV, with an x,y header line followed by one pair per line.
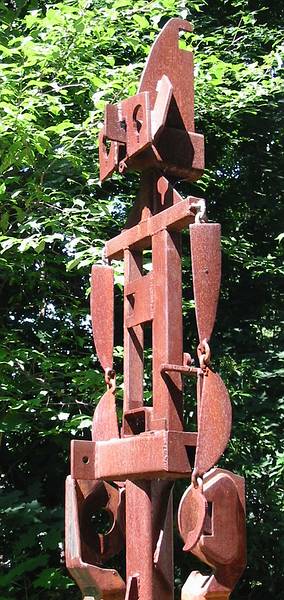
x,y
139,540
133,339
162,518
167,329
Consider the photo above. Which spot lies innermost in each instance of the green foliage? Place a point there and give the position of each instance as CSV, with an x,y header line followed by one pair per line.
x,y
60,63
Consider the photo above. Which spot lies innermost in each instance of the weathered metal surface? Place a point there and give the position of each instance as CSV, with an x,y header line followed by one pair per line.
x,y
133,338
166,58
203,587
93,580
108,157
214,424
106,499
162,510
154,454
167,328
134,115
153,133
102,303
140,299
222,540
133,587
139,555
105,425
161,107
191,516
174,218
82,454
155,128
206,273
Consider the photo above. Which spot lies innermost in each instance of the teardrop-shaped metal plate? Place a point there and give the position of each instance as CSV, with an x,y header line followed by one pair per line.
x,y
105,426
205,245
215,422
102,305
191,516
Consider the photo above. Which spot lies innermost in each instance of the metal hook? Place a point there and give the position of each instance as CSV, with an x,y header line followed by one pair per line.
x,y
200,216
204,354
110,379
197,480
105,261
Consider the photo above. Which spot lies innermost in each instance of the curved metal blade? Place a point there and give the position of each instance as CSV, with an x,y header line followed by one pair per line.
x,y
105,426
215,422
102,305
191,516
166,58
205,246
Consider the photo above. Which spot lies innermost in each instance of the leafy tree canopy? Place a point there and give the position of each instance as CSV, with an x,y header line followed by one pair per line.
x,y
61,63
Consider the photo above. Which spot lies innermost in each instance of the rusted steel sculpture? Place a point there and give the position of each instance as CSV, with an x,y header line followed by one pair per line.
x,y
130,472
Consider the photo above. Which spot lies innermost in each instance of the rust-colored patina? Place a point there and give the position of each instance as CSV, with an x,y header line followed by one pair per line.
x,y
128,472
